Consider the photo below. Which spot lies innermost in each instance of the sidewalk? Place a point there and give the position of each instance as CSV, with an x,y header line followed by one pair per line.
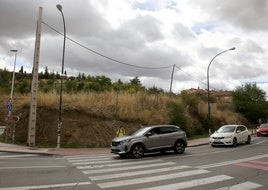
x,y
4,147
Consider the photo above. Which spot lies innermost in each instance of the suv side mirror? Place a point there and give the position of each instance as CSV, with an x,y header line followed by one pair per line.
x,y
238,131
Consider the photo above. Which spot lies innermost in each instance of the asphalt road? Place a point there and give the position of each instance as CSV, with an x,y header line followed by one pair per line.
x,y
204,167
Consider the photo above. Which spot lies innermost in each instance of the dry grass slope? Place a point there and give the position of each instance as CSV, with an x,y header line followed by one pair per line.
x,y
91,119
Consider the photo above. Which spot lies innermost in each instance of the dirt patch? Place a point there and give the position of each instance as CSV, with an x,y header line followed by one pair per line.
x,y
79,128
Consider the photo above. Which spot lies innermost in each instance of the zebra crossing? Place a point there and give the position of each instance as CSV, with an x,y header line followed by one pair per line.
x,y
110,172
5,155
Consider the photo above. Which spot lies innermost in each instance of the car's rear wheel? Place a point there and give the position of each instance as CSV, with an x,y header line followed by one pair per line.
x,y
137,151
234,142
248,140
179,147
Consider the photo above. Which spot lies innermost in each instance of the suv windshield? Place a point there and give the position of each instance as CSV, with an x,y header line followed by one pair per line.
x,y
140,132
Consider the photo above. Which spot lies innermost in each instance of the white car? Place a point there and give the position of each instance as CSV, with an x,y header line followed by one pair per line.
x,y
230,135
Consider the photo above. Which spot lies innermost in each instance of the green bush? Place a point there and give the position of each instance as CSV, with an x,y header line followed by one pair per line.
x,y
176,114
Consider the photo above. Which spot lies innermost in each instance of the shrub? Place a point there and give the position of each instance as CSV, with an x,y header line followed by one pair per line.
x,y
176,114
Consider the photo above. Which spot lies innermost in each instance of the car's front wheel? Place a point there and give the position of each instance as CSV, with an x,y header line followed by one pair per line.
x,y
234,142
137,151
179,147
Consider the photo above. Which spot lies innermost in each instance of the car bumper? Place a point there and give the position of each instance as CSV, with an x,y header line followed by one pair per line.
x,y
262,133
218,142
121,150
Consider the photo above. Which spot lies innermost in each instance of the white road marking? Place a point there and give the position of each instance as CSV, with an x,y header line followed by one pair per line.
x,y
244,186
46,186
88,160
107,168
30,167
98,162
127,168
232,162
216,152
128,174
114,163
88,156
151,179
191,183
18,155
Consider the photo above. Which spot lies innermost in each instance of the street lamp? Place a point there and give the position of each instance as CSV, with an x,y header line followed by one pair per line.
x,y
59,7
209,110
13,79
10,102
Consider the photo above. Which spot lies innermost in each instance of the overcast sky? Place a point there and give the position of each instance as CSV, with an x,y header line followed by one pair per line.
x,y
145,37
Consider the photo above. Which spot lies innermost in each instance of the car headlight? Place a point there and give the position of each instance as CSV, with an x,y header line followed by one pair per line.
x,y
228,137
125,141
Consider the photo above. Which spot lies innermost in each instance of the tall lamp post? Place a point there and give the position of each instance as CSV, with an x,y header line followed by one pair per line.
x,y
10,102
13,79
59,7
209,110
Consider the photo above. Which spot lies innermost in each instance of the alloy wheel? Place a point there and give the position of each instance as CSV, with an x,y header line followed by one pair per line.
x,y
137,151
179,147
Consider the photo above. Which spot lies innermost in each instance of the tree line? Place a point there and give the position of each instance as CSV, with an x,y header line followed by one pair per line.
x,y
50,82
248,99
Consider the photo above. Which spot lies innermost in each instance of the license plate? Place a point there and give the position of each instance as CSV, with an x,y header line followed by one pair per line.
x,y
264,133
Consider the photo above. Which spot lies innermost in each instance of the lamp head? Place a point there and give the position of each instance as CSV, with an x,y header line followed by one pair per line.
x,y
59,7
232,48
14,50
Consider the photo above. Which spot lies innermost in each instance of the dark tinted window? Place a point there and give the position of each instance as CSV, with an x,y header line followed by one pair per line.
x,y
164,130
155,130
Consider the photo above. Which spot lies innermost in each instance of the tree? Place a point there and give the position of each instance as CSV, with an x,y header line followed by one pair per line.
x,y
24,86
21,70
70,86
4,81
155,90
251,102
135,81
135,85
46,74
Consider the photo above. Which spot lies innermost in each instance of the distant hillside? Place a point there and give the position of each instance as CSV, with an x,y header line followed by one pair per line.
x,y
91,119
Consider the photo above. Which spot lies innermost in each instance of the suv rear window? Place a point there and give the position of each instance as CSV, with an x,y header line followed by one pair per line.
x,y
164,130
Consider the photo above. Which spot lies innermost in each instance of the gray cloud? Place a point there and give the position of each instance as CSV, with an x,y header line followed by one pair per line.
x,y
247,14
143,39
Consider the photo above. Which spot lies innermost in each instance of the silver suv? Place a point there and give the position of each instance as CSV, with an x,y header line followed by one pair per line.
x,y
157,138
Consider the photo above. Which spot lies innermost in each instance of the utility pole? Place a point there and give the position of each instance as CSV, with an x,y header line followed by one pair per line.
x,y
34,88
171,79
